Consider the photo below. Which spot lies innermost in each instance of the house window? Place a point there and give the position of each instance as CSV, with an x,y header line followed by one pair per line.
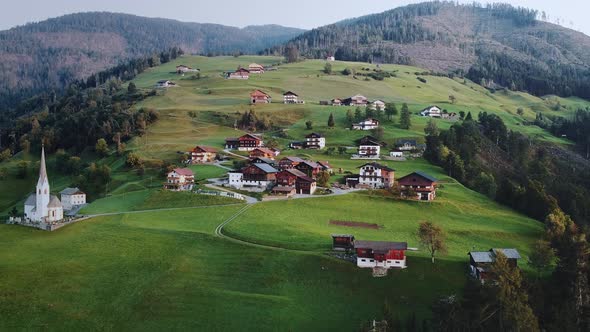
x,y
363,260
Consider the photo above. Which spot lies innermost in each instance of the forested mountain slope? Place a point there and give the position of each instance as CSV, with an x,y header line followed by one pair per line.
x,y
50,54
495,44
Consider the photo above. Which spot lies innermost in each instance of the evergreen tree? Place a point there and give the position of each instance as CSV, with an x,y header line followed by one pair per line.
x,y
349,116
331,122
358,114
431,128
404,120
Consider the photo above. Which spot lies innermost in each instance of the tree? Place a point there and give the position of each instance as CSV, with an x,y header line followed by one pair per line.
x,y
309,124
292,54
330,151
452,99
323,178
22,169
369,112
486,184
469,117
101,147
515,313
341,150
131,88
358,114
542,256
328,68
13,212
331,121
75,165
520,111
404,120
378,133
3,173
390,110
431,128
133,160
349,116
433,238
5,155
272,144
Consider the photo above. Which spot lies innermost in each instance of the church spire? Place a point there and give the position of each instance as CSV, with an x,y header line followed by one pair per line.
x,y
42,169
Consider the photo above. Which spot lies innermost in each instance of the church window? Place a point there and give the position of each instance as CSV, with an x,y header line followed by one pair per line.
x,y
45,192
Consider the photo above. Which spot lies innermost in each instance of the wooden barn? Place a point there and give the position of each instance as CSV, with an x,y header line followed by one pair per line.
x,y
419,185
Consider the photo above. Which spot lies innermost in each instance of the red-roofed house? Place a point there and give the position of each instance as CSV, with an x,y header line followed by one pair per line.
x,y
180,179
264,153
372,254
240,74
202,154
260,97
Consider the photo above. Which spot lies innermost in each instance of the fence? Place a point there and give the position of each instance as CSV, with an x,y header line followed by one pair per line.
x,y
221,193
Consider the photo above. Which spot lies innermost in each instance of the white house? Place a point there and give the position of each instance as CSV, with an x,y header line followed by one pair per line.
x,y
369,149
380,254
291,97
315,141
180,179
72,197
258,175
368,124
376,175
165,84
255,68
42,206
396,154
330,58
378,105
432,111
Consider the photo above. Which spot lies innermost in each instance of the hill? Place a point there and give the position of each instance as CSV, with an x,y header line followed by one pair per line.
x,y
496,44
48,55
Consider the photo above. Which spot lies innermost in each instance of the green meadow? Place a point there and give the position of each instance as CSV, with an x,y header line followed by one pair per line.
x,y
167,270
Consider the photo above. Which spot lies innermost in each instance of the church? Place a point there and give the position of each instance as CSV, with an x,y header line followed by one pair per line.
x,y
42,206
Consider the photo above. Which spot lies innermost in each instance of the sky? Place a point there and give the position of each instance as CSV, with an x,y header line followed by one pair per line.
x,y
306,14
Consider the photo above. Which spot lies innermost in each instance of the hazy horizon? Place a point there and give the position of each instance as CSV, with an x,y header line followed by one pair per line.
x,y
307,14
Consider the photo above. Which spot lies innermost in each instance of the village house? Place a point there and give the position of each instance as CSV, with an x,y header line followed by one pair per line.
x,y
165,84
202,154
450,116
368,124
369,148
336,102
260,97
41,206
357,100
315,141
291,97
293,179
262,160
309,168
255,68
257,175
396,153
406,145
240,74
289,162
420,185
380,254
182,69
246,142
297,145
376,176
72,198
330,58
342,242
480,262
264,153
378,105
325,166
432,111
180,179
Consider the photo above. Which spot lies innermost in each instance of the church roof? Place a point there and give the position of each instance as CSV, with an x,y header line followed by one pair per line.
x,y
32,200
54,202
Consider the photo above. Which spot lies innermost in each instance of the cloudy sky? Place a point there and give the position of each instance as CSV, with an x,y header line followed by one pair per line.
x,y
302,13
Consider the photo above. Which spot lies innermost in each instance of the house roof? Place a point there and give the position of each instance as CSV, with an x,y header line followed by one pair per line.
x,y
294,159
324,164
163,81
310,163
54,202
265,160
358,96
407,141
481,256
242,70
265,150
377,165
31,200
266,168
420,174
251,136
71,191
283,189
314,135
290,93
255,65
231,139
205,148
431,107
508,252
380,246
259,93
184,171
343,235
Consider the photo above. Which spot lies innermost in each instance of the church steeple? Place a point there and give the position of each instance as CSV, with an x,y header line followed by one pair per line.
x,y
42,168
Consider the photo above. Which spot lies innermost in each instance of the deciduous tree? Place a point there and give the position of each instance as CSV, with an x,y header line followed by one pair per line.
x,y
433,238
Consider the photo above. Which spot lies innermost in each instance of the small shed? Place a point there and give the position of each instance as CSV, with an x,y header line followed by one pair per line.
x,y
342,242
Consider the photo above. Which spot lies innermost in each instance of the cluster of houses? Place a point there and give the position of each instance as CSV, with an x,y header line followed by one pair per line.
x,y
243,74
387,255
356,100
369,148
261,97
437,112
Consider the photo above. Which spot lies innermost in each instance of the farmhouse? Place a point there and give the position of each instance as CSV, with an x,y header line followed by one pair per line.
x,y
255,68
419,185
380,254
42,206
290,179
376,175
202,154
406,145
240,74
180,179
369,148
330,58
336,102
315,141
260,97
72,198
368,124
289,162
342,242
480,262
256,175
432,111
182,69
264,153
165,84
378,105
291,97
357,100
325,166
309,168
246,142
